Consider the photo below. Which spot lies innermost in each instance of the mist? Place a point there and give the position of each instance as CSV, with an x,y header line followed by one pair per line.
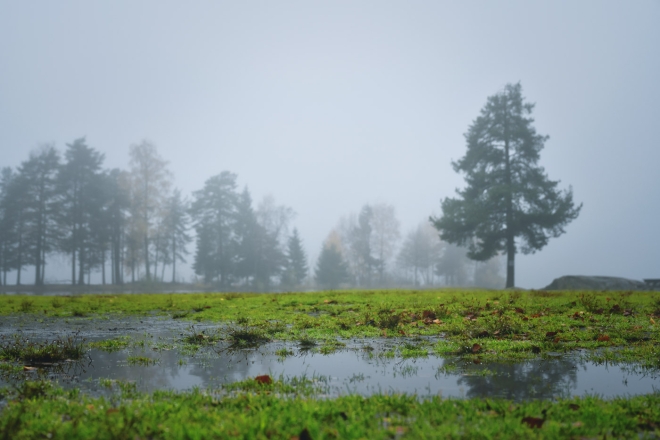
x,y
331,107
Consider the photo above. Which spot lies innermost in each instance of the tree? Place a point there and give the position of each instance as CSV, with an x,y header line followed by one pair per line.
x,y
452,264
296,262
176,229
385,235
508,195
80,205
150,181
213,211
39,173
420,253
331,270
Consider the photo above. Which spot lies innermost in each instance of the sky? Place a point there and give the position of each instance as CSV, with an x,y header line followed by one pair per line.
x,y
332,105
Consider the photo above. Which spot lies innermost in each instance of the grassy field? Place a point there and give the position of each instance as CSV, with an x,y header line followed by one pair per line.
x,y
483,326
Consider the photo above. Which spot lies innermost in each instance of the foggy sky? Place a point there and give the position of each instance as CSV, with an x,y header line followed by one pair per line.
x,y
331,105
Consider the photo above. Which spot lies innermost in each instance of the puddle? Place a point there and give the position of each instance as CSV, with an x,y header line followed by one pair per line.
x,y
353,369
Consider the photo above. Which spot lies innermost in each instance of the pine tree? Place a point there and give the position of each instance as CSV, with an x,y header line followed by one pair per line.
x,y
296,262
331,270
508,195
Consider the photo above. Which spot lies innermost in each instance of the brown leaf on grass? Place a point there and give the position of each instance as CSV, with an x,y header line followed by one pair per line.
x,y
402,332
556,340
26,368
603,338
483,334
533,422
525,318
428,314
264,379
111,411
519,310
476,348
437,321
574,406
476,361
550,334
536,315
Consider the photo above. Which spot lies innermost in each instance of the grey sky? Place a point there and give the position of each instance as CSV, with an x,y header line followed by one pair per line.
x,y
331,105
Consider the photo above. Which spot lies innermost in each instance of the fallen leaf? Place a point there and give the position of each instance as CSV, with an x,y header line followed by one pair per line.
x,y
112,411
533,422
550,334
536,315
603,338
90,407
525,318
437,321
265,379
26,368
483,334
556,340
519,310
476,348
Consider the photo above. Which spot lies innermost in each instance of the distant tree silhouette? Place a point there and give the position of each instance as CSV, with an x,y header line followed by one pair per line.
x,y
296,262
331,270
79,186
39,174
213,211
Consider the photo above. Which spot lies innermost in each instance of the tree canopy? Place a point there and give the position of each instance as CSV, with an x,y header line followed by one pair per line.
x,y
508,196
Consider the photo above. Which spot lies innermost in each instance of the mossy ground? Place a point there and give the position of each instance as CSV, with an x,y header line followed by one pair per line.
x,y
481,326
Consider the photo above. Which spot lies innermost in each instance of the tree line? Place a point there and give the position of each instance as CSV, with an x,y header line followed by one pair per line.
x,y
131,225
366,250
134,223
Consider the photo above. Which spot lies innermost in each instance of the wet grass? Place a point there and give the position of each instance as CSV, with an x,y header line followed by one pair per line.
x,y
509,326
22,349
258,409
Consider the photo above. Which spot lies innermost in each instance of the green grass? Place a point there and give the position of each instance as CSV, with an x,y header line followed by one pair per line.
x,y
254,410
509,325
23,349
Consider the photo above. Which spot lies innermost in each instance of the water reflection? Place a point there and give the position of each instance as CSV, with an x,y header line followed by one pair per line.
x,y
355,370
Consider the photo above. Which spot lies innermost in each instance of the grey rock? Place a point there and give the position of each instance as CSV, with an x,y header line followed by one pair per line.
x,y
581,282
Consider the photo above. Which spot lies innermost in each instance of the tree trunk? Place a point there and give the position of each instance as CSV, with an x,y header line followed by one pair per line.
x,y
173,259
146,256
510,243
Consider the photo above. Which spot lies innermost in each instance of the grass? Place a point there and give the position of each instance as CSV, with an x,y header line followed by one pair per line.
x,y
509,326
259,410
20,348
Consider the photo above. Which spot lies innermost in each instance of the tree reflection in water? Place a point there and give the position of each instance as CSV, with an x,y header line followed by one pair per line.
x,y
539,379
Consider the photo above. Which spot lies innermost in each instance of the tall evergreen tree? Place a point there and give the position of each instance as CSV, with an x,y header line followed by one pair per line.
x,y
296,262
12,208
79,186
213,211
508,195
39,174
118,204
176,229
331,269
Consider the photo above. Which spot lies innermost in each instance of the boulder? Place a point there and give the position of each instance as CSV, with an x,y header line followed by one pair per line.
x,y
581,282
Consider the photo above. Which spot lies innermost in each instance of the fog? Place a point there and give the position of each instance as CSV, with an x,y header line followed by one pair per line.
x,y
330,106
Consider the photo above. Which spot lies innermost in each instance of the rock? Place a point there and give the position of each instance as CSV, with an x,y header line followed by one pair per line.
x,y
581,282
